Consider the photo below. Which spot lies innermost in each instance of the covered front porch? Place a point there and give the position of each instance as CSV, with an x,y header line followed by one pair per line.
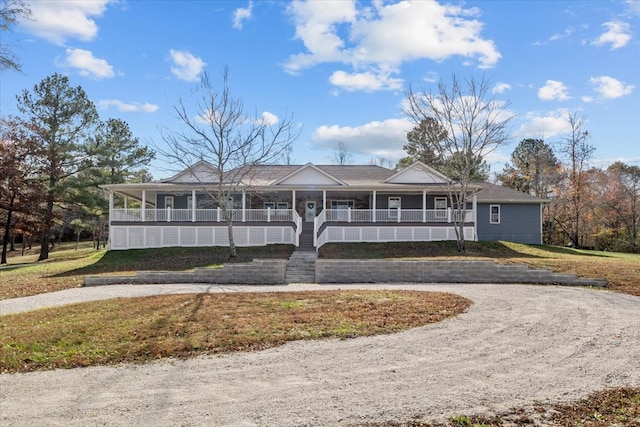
x,y
153,217
290,206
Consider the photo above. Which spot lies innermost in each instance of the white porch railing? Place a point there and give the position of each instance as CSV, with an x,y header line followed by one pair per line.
x,y
203,215
297,219
390,233
393,215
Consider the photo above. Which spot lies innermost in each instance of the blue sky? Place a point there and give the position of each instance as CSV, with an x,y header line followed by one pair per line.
x,y
342,67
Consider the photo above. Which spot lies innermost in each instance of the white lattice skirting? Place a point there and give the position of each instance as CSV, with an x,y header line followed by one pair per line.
x,y
390,234
140,237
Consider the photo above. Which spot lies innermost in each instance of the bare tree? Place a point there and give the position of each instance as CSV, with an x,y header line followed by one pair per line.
x,y
218,130
576,152
342,156
10,12
474,124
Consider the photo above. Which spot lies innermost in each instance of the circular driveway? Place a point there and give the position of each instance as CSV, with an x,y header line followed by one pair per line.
x,y
516,345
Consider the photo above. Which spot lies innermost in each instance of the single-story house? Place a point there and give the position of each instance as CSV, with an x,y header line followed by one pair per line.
x,y
310,205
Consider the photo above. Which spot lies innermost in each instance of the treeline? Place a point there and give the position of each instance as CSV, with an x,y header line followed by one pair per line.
x,y
54,156
588,207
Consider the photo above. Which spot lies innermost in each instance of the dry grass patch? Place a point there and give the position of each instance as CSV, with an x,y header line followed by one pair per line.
x,y
621,271
67,267
149,328
618,407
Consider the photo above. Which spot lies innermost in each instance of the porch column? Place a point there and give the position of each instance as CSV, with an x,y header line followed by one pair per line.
x,y
324,200
193,205
424,205
293,201
111,206
126,203
243,206
374,206
143,205
475,217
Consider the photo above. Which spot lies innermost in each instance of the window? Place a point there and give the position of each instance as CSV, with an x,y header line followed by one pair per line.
x,y
269,205
341,204
168,202
394,206
440,204
494,217
283,205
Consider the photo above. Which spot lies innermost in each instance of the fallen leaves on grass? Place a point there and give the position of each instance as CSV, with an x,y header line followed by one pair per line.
x,y
618,407
148,328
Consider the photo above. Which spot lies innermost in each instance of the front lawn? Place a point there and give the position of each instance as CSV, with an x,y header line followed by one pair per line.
x,y
126,330
620,270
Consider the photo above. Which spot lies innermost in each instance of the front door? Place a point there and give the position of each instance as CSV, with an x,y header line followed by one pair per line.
x,y
310,210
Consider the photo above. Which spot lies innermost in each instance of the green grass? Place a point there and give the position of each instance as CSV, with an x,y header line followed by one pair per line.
x,y
621,271
144,329
619,407
66,267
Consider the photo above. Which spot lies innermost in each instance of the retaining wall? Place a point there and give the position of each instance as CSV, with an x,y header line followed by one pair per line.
x,y
421,271
272,272
258,272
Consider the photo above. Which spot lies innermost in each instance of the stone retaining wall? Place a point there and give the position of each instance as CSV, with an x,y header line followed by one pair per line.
x,y
421,271
272,272
258,272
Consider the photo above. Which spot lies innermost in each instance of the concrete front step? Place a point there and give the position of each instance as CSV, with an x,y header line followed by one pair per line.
x,y
301,267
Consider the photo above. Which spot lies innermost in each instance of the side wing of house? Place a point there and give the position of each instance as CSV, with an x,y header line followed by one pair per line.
x,y
510,215
520,223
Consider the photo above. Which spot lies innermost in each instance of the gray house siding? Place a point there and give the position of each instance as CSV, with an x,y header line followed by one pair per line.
x,y
518,223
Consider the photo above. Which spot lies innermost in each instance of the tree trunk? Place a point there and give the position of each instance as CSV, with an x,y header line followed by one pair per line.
x,y
48,225
5,238
232,244
12,241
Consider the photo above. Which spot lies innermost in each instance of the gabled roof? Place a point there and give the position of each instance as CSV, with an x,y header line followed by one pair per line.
x,y
309,174
201,173
497,194
418,173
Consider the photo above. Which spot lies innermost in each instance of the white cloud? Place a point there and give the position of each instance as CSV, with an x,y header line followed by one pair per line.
x,y
127,107
634,7
57,21
185,65
567,33
610,88
618,35
544,126
269,118
88,65
241,14
553,90
364,81
501,87
376,139
380,37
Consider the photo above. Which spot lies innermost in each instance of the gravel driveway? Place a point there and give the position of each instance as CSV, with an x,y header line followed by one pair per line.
x,y
516,345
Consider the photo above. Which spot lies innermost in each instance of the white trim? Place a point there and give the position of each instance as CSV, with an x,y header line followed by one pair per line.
x,y
394,211
193,205
491,214
441,211
143,205
309,166
168,199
